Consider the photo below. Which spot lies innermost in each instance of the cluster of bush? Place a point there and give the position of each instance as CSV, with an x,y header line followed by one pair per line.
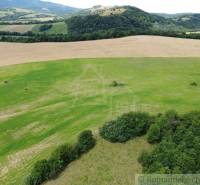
x,y
164,125
45,27
50,168
116,84
178,145
193,84
177,139
126,127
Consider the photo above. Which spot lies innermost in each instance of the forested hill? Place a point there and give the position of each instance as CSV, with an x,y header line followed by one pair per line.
x,y
116,21
191,21
108,22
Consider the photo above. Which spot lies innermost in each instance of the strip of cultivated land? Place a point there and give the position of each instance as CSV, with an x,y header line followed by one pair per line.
x,y
135,46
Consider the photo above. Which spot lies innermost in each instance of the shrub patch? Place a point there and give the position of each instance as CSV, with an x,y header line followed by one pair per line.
x,y
127,126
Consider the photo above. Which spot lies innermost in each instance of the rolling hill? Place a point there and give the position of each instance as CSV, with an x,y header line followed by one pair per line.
x,y
25,11
109,18
37,5
108,22
190,21
19,15
187,20
96,23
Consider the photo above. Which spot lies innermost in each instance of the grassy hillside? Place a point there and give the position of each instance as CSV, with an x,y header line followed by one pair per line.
x,y
45,104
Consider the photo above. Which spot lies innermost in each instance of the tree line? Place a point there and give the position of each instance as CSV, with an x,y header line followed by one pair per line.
x,y
30,37
31,22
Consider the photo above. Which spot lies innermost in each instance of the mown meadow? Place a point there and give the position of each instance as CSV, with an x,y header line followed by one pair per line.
x,y
43,105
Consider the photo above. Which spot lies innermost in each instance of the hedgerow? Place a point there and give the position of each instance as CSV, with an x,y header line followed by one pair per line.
x,y
44,170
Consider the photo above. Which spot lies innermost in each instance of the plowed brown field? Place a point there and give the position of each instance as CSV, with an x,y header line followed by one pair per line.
x,y
134,46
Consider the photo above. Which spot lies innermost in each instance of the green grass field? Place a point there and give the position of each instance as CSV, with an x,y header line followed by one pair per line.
x,y
57,28
45,104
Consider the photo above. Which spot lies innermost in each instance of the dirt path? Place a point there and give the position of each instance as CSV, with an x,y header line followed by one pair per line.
x,y
135,46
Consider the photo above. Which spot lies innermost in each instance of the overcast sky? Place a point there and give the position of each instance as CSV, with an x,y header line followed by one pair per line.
x,y
163,6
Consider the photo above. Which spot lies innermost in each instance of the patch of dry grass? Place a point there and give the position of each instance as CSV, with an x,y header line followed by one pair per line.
x,y
106,164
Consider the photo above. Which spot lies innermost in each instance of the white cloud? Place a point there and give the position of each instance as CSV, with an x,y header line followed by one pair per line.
x,y
164,6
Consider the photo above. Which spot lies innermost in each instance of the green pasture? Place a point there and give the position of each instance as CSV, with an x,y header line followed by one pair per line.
x,y
45,104
57,28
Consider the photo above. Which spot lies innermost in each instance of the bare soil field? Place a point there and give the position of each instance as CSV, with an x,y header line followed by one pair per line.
x,y
134,46
17,28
